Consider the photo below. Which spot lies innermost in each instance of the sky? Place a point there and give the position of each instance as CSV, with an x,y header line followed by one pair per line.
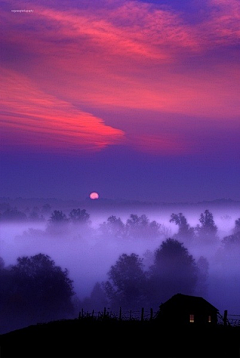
x,y
133,99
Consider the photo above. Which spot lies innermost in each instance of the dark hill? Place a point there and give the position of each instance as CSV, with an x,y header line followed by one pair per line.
x,y
88,338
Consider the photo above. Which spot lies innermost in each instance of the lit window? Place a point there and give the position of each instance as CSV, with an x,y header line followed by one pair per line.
x,y
191,318
209,319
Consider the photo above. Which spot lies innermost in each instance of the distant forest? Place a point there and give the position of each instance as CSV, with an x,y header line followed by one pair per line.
x,y
36,289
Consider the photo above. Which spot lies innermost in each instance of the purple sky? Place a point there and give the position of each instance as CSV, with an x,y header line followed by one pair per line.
x,y
132,99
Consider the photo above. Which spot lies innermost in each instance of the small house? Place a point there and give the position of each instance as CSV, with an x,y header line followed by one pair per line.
x,y
187,310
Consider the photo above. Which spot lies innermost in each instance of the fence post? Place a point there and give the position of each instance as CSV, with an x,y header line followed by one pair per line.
x,y
142,314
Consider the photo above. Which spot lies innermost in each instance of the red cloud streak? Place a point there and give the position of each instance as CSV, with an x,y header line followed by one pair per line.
x,y
32,117
121,55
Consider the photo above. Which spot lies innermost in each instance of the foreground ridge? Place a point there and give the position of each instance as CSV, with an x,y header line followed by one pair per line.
x,y
115,338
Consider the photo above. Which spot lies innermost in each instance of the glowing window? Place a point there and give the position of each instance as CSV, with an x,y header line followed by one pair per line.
x,y
191,318
209,319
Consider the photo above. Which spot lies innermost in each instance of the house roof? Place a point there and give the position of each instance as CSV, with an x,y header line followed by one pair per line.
x,y
180,301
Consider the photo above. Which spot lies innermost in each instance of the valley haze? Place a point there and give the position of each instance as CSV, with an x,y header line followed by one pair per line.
x,y
88,254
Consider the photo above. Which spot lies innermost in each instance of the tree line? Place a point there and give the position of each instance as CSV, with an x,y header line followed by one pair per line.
x,y
135,225
140,226
134,282
36,289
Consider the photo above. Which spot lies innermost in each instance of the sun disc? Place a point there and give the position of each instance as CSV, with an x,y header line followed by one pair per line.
x,y
94,195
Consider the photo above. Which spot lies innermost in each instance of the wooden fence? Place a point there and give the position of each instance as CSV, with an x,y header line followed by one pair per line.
x,y
229,319
142,315
234,319
148,315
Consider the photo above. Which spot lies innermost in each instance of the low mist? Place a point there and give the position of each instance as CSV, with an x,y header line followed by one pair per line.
x,y
88,248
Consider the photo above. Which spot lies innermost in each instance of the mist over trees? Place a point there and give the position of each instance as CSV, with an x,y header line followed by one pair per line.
x,y
127,283
141,226
131,286
79,216
138,261
174,270
13,214
208,229
135,227
236,228
185,232
34,290
113,228
201,288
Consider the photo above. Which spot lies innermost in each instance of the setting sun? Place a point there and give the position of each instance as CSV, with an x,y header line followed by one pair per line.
x,y
94,195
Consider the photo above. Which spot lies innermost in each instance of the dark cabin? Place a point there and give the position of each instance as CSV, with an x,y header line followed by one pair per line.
x,y
187,310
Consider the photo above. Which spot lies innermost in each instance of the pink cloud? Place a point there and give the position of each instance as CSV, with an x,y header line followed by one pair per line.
x,y
222,26
126,29
122,55
44,119
106,63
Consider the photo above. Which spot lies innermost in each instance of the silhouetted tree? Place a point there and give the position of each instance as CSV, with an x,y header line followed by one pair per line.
x,y
237,226
231,242
207,229
35,289
127,283
142,227
185,232
79,216
58,217
57,223
114,227
13,214
174,271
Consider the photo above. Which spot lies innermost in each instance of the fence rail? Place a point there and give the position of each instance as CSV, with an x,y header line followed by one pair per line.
x,y
140,315
234,319
229,319
147,315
